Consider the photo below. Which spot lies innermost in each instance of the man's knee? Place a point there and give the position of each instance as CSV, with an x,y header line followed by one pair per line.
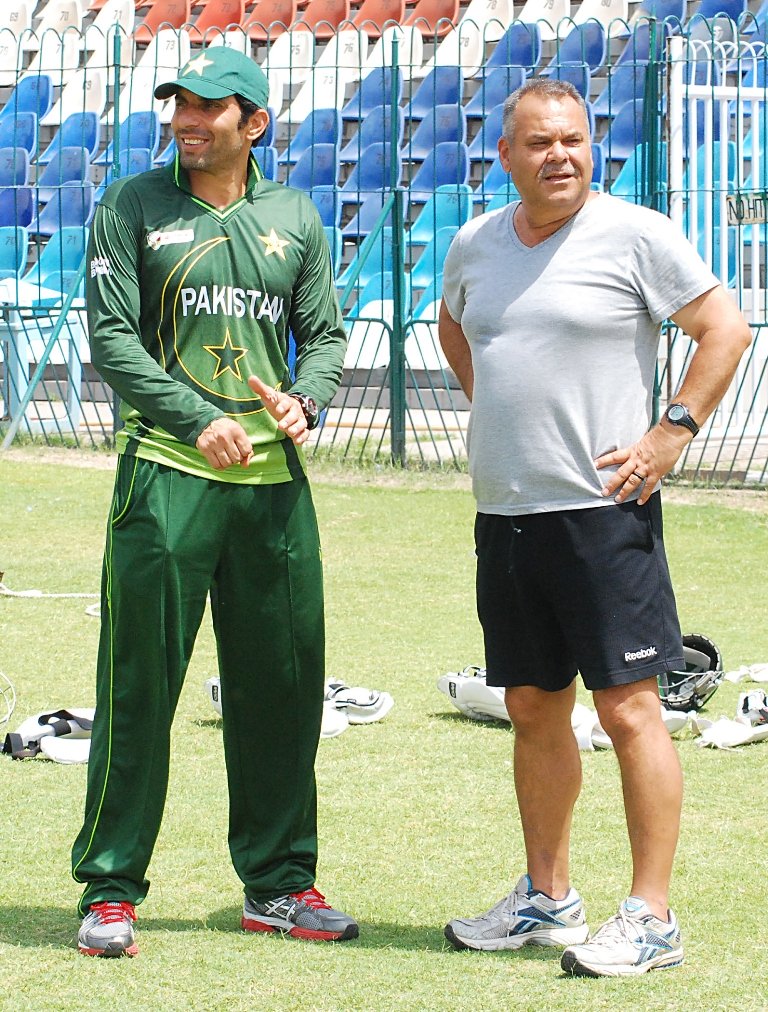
x,y
626,711
533,710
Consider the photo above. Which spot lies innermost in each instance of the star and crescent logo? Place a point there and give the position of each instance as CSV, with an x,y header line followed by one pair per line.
x,y
227,357
197,66
274,244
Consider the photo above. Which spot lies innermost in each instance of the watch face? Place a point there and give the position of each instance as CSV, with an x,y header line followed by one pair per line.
x,y
676,412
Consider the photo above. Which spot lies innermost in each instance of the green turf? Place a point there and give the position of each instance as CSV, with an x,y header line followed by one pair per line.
x,y
417,819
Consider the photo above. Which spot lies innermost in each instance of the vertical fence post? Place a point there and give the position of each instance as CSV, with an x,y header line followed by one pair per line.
x,y
397,335
650,163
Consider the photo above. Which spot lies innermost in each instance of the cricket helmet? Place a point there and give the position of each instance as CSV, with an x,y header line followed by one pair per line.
x,y
690,689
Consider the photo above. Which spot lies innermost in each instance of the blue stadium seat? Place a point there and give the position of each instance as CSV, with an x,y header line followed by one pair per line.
x,y
662,10
17,205
502,197
318,166
484,146
430,262
31,94
732,9
441,86
520,46
335,244
495,180
131,162
429,300
14,250
628,182
14,167
375,89
713,155
577,74
443,123
379,288
166,156
19,132
137,130
67,164
377,261
372,173
732,255
495,86
326,200
450,205
583,44
446,163
638,46
598,167
626,83
266,156
79,130
375,128
61,256
71,204
367,215
624,133
322,126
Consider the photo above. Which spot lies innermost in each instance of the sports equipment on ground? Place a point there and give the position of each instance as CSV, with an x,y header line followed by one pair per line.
x,y
335,720
525,917
300,915
469,693
107,930
362,706
632,942
61,735
690,689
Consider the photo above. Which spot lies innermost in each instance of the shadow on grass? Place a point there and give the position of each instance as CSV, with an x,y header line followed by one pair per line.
x,y
46,927
455,717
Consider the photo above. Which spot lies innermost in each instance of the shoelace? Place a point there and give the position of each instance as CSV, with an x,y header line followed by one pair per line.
x,y
312,898
111,912
619,928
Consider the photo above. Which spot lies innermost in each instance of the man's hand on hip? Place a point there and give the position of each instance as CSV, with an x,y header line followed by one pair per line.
x,y
645,463
224,442
286,410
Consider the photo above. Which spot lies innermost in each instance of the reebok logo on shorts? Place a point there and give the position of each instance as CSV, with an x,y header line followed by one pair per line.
x,y
640,655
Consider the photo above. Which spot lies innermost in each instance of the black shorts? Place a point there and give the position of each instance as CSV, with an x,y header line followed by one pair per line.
x,y
576,591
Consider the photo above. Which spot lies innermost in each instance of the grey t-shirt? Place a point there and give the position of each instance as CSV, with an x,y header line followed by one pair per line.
x,y
564,338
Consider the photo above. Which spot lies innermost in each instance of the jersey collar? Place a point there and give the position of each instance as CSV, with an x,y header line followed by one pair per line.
x,y
181,179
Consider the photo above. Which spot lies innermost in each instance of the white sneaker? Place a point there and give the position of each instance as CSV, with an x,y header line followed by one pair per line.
x,y
525,917
632,942
107,930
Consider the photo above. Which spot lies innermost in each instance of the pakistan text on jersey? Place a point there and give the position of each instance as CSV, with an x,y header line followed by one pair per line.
x,y
225,300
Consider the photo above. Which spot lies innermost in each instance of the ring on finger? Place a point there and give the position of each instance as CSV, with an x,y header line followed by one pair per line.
x,y
640,477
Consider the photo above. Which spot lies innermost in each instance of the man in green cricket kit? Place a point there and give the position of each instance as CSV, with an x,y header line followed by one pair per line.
x,y
195,275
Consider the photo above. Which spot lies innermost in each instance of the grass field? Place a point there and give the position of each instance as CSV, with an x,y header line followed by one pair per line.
x,y
417,816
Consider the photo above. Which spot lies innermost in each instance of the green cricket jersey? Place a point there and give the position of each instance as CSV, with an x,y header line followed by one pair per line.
x,y
186,301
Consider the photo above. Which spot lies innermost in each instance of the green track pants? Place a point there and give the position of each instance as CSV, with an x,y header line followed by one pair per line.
x,y
171,538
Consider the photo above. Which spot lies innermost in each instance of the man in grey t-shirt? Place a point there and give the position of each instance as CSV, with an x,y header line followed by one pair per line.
x,y
551,316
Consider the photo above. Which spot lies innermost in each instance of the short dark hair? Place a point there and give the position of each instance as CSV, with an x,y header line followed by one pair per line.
x,y
547,87
247,109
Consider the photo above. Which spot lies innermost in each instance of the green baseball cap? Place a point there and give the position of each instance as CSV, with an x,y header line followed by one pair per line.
x,y
218,72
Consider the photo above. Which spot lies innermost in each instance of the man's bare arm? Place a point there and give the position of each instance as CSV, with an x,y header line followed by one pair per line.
x,y
456,350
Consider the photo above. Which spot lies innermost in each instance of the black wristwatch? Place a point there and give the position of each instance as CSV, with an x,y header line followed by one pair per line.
x,y
309,407
678,414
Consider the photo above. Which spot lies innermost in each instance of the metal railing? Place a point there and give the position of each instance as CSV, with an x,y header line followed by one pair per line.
x,y
398,399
